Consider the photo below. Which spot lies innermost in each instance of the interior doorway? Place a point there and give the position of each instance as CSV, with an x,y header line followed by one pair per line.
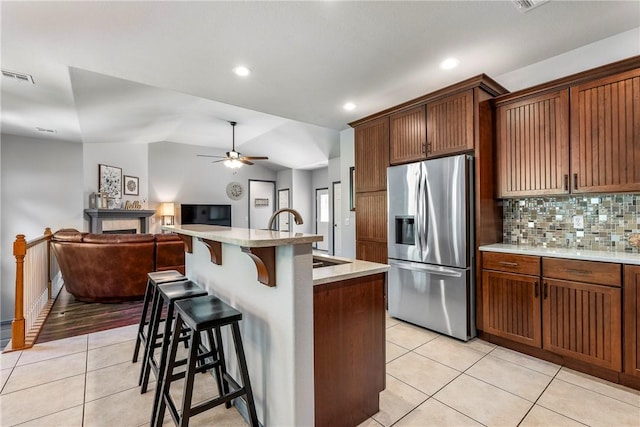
x,y
262,195
322,218
284,201
335,218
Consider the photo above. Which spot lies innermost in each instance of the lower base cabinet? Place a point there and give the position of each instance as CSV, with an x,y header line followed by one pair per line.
x,y
349,349
583,321
632,320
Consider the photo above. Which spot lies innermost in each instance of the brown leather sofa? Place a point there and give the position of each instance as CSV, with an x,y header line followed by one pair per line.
x,y
113,267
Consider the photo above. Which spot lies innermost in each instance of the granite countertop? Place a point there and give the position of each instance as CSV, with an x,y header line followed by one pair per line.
x,y
247,237
350,269
580,254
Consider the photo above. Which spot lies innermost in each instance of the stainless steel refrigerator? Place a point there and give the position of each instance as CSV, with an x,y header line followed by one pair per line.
x,y
431,253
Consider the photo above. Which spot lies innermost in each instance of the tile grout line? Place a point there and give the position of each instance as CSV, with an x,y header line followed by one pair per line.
x,y
84,393
597,392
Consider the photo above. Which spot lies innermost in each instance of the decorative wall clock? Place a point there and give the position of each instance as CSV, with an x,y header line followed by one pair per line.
x,y
235,190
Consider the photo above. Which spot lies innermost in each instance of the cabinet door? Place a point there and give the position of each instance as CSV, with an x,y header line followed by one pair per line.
x,y
605,134
408,136
372,155
511,305
371,216
632,320
533,146
583,321
450,124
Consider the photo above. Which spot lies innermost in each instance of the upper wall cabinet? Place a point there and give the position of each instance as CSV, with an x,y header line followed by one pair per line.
x,y
579,134
605,134
533,145
439,128
450,124
372,155
408,136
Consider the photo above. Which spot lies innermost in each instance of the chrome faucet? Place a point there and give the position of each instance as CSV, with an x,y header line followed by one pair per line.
x,y
296,216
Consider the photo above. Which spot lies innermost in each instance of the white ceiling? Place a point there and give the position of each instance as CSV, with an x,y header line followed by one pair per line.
x,y
141,72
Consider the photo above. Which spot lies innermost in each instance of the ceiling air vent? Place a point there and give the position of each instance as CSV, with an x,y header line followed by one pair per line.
x,y
19,77
527,5
39,129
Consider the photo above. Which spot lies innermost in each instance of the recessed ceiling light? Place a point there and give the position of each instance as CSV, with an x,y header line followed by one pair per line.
x,y
349,106
449,63
242,71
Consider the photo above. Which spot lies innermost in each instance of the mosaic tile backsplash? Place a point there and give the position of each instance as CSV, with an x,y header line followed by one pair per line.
x,y
608,222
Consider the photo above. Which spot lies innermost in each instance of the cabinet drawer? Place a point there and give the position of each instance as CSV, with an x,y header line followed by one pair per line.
x,y
600,273
522,264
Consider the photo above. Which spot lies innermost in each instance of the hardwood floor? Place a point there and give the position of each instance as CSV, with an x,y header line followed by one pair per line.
x,y
70,317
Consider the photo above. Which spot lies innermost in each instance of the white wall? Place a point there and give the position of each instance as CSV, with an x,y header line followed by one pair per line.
x,y
348,217
42,186
333,176
302,200
602,52
176,174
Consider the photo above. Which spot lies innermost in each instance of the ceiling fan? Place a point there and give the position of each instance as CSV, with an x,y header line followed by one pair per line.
x,y
234,159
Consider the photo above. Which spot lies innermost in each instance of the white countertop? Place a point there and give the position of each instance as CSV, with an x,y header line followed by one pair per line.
x,y
580,254
247,237
352,268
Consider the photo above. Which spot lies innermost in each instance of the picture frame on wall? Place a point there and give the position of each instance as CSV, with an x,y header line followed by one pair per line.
x,y
131,186
110,180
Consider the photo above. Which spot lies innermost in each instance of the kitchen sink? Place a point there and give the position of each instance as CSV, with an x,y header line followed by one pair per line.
x,y
319,261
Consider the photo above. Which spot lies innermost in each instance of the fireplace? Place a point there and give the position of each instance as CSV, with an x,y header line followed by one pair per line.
x,y
97,216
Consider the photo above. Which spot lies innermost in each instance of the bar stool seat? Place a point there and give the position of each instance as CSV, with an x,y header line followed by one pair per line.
x,y
203,314
166,294
154,279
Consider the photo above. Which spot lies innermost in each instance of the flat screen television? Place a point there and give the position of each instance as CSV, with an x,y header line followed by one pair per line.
x,y
206,214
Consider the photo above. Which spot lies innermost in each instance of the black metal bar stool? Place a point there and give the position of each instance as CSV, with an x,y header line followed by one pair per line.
x,y
168,294
203,314
153,280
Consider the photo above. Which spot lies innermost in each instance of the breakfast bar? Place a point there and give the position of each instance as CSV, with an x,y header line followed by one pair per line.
x,y
268,276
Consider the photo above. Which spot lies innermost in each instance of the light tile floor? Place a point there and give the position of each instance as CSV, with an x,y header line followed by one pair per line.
x,y
432,380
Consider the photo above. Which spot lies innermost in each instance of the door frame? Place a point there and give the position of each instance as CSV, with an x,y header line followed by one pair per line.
x,y
315,216
249,197
288,203
333,213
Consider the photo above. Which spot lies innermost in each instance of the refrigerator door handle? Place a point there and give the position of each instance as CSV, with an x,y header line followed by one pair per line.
x,y
418,227
425,212
436,271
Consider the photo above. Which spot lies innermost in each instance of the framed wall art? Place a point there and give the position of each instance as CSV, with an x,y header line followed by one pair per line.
x,y
131,185
110,180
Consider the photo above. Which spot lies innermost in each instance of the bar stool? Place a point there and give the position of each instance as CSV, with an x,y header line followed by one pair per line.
x,y
153,280
168,294
203,314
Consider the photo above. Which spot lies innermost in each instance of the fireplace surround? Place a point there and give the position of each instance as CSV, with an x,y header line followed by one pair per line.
x,y
96,216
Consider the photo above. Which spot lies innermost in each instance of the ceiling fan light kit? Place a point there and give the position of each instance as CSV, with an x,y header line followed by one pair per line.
x,y
234,159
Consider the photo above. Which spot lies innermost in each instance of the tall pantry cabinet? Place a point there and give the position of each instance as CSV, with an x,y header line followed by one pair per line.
x,y
453,120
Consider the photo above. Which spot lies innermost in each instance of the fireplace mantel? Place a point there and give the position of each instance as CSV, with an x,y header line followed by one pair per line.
x,y
96,216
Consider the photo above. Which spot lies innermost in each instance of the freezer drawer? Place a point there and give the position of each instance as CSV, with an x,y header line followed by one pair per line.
x,y
437,298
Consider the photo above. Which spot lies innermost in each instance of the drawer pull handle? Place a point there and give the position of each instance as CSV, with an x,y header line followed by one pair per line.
x,y
508,264
536,288
566,182
575,181
572,270
544,291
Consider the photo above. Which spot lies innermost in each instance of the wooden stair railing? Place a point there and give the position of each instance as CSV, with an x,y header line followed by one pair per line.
x,y
34,296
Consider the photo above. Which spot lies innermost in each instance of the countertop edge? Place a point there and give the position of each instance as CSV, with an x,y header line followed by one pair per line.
x,y
340,276
585,255
226,235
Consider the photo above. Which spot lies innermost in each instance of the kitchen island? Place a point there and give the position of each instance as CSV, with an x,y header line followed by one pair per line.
x,y
268,276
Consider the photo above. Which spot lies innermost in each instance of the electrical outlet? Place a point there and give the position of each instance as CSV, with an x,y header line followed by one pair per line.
x,y
346,222
578,221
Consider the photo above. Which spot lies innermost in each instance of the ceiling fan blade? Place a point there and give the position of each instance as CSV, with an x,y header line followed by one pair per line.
x,y
206,155
245,161
256,157
221,160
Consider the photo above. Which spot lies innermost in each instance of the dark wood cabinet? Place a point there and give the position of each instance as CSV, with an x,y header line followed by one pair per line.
x,y
372,251
582,311
349,349
371,216
371,155
605,134
450,125
583,321
511,297
533,145
632,320
408,136
577,134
